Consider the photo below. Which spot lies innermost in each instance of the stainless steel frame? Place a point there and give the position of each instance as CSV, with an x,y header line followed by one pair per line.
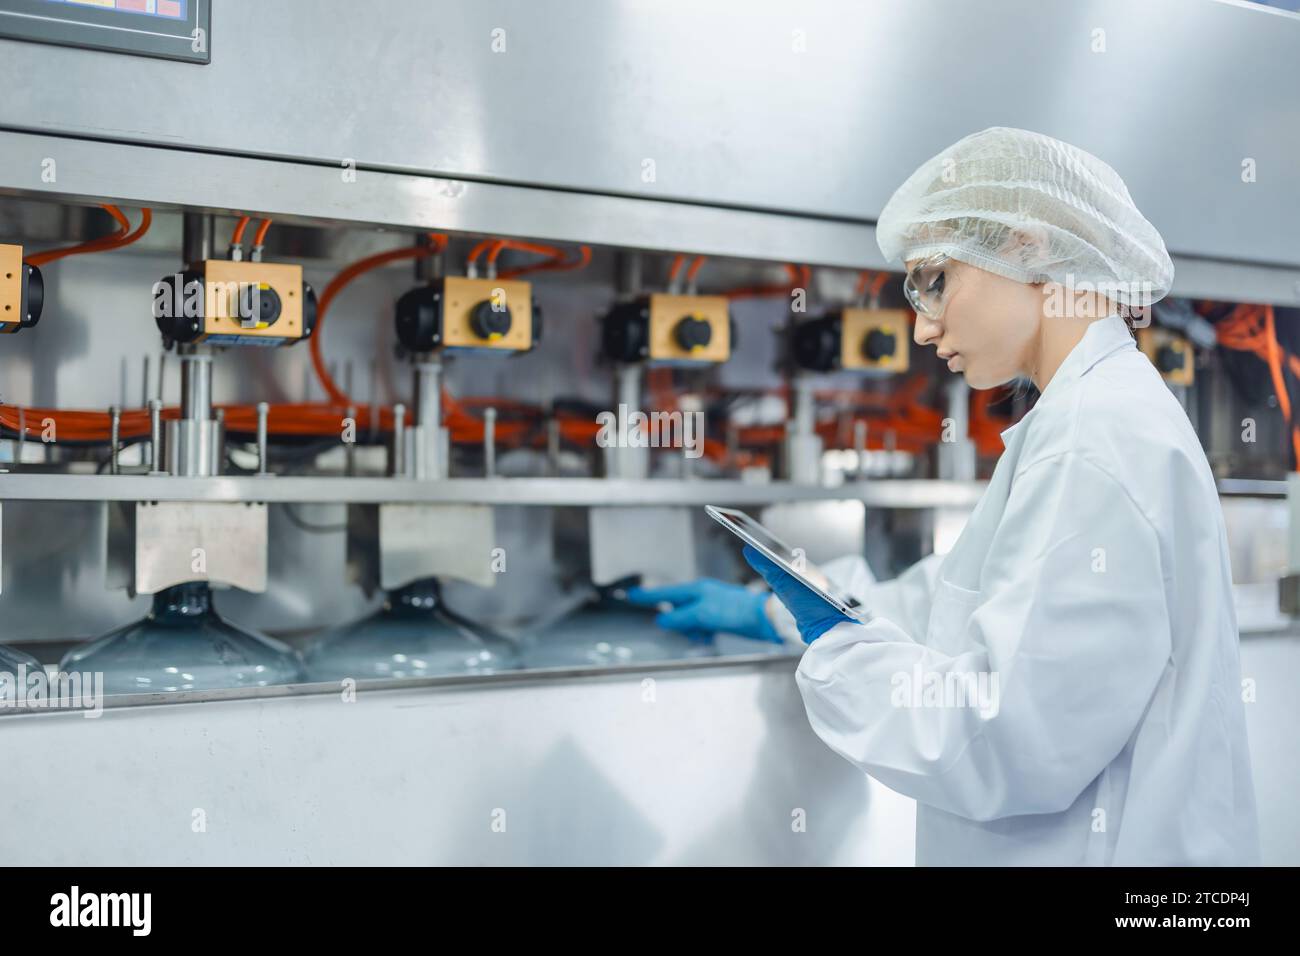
x,y
691,765
94,171
819,109
894,493
499,491
702,762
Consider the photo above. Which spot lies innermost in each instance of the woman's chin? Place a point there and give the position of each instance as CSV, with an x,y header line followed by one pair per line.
x,y
982,382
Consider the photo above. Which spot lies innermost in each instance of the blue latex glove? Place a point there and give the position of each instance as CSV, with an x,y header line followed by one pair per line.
x,y
704,607
811,613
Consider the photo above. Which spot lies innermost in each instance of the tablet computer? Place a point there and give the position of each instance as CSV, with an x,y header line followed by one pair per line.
x,y
789,559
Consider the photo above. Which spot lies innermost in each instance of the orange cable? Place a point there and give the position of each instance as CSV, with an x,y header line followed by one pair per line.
x,y
259,238
122,237
582,260
340,282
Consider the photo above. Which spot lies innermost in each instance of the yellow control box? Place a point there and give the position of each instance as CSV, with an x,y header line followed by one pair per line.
x,y
487,314
1170,352
694,328
11,288
21,291
875,339
244,302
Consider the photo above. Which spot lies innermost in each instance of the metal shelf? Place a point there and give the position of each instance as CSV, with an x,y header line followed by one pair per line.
x,y
500,680
1252,487
883,493
31,486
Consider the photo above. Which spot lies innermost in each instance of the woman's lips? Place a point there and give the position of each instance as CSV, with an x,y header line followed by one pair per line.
x,y
954,358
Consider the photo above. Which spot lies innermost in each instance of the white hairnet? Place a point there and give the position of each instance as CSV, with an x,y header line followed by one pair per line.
x,y
1030,208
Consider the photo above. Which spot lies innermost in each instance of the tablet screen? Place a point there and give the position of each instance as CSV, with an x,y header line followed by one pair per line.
x,y
792,559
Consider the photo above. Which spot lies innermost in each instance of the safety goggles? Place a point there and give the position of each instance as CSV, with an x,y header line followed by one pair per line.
x,y
929,285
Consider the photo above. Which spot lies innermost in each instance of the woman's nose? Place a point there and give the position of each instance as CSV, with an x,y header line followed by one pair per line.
x,y
926,330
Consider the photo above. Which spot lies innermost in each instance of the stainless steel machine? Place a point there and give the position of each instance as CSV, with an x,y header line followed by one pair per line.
x,y
461,234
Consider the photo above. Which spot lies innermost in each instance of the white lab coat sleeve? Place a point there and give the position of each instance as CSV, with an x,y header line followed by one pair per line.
x,y
904,599
1068,629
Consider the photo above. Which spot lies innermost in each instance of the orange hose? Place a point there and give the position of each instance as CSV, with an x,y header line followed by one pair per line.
x,y
116,240
582,260
555,257
800,277
338,284
522,246
485,246
123,223
870,284
237,237
1252,328
300,419
1274,359
259,237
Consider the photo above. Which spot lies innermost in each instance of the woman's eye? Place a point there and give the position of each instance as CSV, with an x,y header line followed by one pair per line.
x,y
936,284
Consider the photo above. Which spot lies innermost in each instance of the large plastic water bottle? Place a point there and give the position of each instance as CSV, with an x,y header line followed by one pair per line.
x,y
609,633
413,635
181,645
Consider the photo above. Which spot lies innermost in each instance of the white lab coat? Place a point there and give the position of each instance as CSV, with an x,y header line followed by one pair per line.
x,y
1093,580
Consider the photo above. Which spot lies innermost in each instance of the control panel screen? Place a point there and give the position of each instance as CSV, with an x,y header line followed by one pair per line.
x,y
172,29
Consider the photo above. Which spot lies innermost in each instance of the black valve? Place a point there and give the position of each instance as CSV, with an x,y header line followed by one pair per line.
x,y
309,309
259,304
489,322
1170,359
625,332
419,319
879,344
178,309
815,344
33,297
693,333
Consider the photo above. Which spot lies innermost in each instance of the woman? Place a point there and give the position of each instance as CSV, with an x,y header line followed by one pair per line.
x,y
1063,687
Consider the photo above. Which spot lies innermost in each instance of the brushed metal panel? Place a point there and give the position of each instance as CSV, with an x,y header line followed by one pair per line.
x,y
91,171
893,493
422,541
820,108
654,542
694,766
170,536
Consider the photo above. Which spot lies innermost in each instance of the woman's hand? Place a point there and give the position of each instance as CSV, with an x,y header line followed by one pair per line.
x,y
811,613
705,607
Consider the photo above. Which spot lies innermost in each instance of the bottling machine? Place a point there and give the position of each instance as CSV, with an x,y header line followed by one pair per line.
x,y
347,569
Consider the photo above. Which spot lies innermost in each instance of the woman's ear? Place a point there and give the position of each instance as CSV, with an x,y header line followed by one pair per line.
x,y
1029,246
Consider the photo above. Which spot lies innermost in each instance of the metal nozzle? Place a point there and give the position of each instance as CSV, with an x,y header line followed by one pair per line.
x,y
115,432
489,442
155,437
398,463
263,413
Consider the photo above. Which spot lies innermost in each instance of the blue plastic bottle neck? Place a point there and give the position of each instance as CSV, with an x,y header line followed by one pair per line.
x,y
182,603
418,599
